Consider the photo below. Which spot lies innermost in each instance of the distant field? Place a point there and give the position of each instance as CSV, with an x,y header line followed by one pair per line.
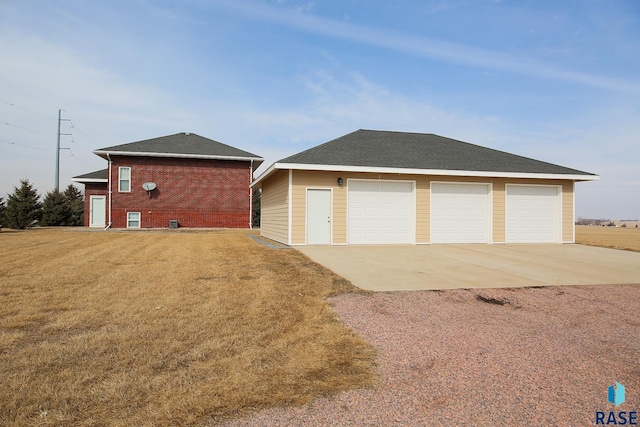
x,y
609,237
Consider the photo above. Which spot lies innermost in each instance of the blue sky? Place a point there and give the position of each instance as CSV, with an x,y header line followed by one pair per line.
x,y
554,80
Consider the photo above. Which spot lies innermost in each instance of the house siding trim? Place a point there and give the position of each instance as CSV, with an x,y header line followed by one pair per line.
x,y
406,171
174,155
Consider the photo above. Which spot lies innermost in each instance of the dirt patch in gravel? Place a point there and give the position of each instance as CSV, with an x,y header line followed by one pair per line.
x,y
490,357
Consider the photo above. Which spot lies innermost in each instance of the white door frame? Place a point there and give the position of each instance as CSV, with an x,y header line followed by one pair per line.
x,y
104,213
306,217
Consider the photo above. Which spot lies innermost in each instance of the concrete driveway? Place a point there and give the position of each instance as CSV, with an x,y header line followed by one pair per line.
x,y
403,268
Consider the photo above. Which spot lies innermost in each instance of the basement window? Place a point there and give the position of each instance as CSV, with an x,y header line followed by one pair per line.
x,y
133,219
124,179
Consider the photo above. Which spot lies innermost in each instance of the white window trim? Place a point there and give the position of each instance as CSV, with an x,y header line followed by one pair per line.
x,y
120,169
129,219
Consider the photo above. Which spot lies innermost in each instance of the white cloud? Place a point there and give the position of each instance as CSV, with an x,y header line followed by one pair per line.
x,y
426,47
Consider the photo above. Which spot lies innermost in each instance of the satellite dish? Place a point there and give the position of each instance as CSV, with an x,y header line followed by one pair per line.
x,y
149,186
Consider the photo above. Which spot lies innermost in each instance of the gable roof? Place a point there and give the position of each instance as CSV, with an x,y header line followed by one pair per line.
x,y
180,145
97,176
420,153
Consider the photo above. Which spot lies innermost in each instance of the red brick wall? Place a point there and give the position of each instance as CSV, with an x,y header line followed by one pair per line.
x,y
197,193
94,189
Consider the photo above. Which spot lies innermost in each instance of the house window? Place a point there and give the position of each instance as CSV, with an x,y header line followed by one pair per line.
x,y
124,179
133,219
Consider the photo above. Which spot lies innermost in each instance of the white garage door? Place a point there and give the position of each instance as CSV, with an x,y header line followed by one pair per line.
x,y
380,212
460,213
533,214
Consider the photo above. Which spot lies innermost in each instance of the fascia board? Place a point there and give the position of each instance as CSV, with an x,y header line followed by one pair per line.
x,y
89,180
175,155
264,174
446,172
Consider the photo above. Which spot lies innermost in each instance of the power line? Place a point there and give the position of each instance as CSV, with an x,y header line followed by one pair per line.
x,y
27,129
4,141
14,105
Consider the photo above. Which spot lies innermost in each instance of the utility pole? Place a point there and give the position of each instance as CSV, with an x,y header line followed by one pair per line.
x,y
60,119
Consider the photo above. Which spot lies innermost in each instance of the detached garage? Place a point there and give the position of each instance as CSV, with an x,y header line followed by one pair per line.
x,y
379,187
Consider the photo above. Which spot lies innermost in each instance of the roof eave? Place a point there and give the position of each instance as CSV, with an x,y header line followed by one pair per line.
x,y
105,153
446,172
89,180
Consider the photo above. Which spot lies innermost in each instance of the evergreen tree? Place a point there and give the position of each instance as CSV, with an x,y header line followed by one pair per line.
x,y
75,201
257,206
1,212
23,207
55,209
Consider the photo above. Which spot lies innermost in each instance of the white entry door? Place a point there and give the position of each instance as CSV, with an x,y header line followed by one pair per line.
x,y
318,217
97,206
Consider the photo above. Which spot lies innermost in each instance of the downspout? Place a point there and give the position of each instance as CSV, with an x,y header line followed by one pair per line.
x,y
109,191
251,196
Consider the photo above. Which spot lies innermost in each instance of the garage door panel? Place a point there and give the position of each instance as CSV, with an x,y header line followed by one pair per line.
x,y
380,212
460,213
533,214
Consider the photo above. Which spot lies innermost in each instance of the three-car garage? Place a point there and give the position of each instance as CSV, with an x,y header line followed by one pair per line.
x,y
374,187
384,212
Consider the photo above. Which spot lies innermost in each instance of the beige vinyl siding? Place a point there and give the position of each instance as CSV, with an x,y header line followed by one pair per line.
x,y
274,215
568,216
499,211
302,180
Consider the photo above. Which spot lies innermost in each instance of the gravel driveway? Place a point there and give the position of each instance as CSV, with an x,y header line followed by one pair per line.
x,y
485,357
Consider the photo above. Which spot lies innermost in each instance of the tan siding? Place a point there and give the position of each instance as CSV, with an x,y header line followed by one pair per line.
x,y
274,215
302,180
423,209
499,211
568,216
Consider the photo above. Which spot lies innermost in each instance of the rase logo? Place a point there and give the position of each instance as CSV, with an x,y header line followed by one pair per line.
x,y
616,396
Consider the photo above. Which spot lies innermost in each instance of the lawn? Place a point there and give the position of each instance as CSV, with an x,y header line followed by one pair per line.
x,y
609,237
165,328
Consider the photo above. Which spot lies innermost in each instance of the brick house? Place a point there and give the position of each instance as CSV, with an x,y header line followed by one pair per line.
x,y
187,178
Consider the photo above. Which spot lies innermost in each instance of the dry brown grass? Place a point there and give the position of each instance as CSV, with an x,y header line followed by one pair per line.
x,y
165,328
609,237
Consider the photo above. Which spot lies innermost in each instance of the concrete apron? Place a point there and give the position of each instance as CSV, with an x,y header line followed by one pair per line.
x,y
415,267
